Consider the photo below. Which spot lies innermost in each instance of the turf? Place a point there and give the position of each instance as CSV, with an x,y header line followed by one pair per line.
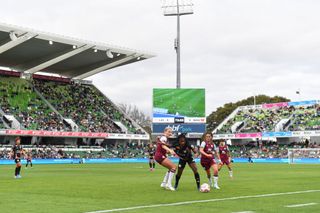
x,y
186,102
83,188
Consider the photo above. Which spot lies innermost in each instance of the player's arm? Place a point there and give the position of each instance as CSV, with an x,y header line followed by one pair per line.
x,y
203,144
194,150
229,155
165,146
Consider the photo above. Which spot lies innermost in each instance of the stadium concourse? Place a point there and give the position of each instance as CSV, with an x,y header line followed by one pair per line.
x,y
44,97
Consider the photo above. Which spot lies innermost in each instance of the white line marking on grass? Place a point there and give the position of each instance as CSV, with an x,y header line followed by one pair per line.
x,y
301,205
203,201
244,212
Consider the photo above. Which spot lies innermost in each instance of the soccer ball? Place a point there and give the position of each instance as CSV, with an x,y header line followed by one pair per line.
x,y
205,188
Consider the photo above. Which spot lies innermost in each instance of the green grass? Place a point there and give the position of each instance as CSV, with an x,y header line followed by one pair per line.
x,y
187,102
81,188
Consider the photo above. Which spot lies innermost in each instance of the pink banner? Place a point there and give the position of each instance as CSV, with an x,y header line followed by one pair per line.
x,y
249,135
57,134
282,104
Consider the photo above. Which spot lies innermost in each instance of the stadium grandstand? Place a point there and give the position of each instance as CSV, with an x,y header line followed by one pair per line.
x,y
44,97
289,121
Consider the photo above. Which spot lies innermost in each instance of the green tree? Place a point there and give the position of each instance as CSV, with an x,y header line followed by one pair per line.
x,y
217,116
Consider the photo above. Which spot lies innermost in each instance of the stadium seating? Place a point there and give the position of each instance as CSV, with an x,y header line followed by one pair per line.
x,y
19,99
133,150
293,118
85,105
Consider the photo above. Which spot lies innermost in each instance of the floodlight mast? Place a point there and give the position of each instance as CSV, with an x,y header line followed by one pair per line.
x,y
178,10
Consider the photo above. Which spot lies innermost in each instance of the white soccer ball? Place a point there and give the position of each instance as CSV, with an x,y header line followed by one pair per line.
x,y
205,188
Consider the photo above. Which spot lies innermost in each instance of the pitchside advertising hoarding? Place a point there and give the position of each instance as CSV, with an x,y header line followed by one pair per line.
x,y
181,109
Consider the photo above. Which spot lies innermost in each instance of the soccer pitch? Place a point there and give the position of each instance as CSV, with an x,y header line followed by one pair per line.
x,y
185,102
90,188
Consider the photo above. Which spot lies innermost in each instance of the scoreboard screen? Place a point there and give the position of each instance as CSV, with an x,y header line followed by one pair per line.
x,y
179,106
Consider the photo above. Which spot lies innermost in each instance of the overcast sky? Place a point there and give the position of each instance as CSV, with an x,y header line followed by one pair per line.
x,y
232,48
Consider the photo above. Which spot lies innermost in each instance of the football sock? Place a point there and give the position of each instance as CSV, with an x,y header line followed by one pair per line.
x,y
210,180
215,180
150,165
197,177
171,174
153,165
16,171
19,169
177,181
230,173
165,179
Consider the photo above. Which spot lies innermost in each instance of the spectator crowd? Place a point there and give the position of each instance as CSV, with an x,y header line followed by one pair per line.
x,y
294,118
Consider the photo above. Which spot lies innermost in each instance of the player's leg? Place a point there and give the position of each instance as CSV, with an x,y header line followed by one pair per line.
x,y
172,170
160,160
220,166
150,164
215,175
181,166
194,168
230,169
165,180
18,169
31,163
153,164
206,166
209,176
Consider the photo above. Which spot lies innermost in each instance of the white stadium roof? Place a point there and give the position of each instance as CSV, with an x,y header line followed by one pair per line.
x,y
31,51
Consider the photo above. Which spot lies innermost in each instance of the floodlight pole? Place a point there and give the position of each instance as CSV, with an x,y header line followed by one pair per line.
x,y
178,13
178,48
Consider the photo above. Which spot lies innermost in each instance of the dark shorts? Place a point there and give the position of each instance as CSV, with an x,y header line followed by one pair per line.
x,y
17,160
28,160
225,161
159,158
182,163
151,157
206,164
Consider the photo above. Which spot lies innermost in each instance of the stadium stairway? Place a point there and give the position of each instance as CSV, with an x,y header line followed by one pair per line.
x,y
66,121
226,119
4,123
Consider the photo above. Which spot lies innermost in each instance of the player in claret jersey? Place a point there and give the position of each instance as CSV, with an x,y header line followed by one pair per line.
x,y
151,151
225,157
161,158
16,154
184,151
208,152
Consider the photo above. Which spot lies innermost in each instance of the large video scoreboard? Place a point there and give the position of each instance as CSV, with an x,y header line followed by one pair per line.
x,y
181,109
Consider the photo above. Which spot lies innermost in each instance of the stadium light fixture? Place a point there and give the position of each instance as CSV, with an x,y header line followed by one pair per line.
x,y
138,58
74,46
109,54
95,50
177,8
51,42
13,36
118,54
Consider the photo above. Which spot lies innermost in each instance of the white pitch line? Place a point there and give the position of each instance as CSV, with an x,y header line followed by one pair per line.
x,y
301,205
203,201
244,212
